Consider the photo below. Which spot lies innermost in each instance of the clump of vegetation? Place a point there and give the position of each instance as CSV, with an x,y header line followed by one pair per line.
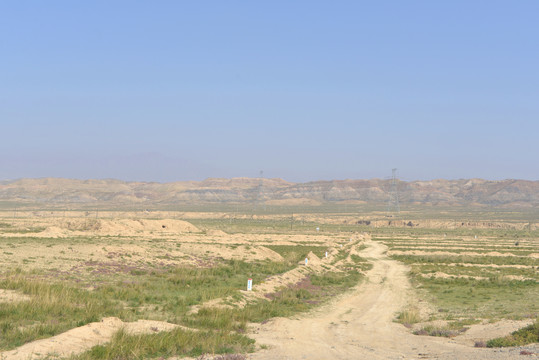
x,y
444,331
409,317
524,336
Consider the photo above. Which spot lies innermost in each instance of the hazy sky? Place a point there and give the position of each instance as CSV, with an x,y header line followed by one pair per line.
x,y
304,90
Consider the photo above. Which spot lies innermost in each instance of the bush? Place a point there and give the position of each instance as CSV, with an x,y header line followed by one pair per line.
x,y
409,317
524,336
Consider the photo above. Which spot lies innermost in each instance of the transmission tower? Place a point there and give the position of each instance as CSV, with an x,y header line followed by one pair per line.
x,y
259,196
393,203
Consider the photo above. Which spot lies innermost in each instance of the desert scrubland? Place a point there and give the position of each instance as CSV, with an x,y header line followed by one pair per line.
x,y
329,282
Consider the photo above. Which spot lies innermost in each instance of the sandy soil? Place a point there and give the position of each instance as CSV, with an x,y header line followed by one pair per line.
x,y
356,325
12,296
127,244
360,325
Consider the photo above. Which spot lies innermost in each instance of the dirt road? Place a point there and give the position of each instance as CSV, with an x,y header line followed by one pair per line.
x,y
359,325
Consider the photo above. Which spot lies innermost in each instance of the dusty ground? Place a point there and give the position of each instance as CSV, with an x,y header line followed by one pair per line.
x,y
359,325
356,325
12,296
82,246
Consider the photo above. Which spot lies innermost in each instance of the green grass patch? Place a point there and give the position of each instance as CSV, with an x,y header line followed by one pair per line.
x,y
175,290
340,281
295,253
489,299
361,263
177,342
12,230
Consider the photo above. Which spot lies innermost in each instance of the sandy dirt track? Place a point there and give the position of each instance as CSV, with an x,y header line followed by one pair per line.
x,y
360,325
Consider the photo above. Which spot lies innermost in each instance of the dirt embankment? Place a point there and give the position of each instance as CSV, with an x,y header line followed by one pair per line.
x,y
113,227
83,338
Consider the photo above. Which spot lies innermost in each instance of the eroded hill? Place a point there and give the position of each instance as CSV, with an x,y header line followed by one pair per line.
x,y
508,193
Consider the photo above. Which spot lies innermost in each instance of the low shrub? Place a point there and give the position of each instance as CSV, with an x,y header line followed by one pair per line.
x,y
409,317
524,336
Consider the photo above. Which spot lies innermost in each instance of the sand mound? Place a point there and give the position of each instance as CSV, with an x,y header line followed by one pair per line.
x,y
225,251
213,232
148,326
83,338
123,226
484,332
269,254
54,231
126,226
313,259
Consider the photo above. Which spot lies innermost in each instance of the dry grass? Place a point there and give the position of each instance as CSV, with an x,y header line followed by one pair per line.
x,y
409,317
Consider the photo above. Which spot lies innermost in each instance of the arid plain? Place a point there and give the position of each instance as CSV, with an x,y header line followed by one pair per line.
x,y
330,281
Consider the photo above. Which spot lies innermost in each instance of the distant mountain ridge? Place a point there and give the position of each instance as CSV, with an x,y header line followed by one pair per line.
x,y
517,193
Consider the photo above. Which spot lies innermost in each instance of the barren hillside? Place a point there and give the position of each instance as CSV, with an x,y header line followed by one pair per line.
x,y
508,193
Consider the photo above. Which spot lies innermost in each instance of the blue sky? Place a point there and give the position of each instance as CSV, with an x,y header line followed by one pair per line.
x,y
304,90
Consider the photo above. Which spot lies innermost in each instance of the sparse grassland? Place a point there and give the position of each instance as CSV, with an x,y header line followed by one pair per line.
x,y
51,309
468,278
74,273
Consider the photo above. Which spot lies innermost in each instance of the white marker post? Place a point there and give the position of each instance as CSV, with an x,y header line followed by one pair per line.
x,y
306,261
317,229
249,284
326,254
